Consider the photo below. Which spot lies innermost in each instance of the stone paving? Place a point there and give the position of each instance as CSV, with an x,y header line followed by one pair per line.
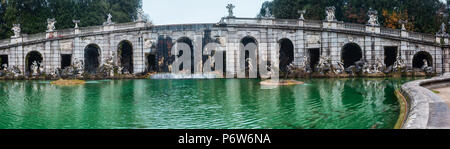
x,y
444,93
426,109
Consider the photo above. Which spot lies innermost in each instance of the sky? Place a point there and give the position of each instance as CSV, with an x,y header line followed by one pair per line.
x,y
163,12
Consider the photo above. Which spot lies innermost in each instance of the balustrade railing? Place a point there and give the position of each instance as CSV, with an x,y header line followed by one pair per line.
x,y
5,41
355,27
313,23
390,31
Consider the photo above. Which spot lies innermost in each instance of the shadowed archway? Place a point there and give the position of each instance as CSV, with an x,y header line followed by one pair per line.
x,y
245,41
351,53
125,56
286,54
419,57
33,56
91,58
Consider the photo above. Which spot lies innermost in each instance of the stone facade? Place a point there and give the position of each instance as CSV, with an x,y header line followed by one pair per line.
x,y
328,37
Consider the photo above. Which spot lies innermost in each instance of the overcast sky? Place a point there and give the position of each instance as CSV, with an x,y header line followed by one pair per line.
x,y
197,11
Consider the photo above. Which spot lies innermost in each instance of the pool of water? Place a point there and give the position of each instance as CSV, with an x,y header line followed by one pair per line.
x,y
200,104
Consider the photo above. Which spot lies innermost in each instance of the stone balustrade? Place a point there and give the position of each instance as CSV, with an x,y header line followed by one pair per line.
x,y
425,109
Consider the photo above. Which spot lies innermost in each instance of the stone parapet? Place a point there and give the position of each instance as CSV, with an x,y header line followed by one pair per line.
x,y
426,110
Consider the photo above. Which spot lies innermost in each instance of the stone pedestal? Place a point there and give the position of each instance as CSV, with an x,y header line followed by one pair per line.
x,y
51,34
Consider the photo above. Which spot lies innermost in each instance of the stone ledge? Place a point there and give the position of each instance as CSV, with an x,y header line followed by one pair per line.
x,y
426,110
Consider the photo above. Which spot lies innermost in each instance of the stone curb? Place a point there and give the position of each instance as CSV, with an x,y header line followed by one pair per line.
x,y
426,110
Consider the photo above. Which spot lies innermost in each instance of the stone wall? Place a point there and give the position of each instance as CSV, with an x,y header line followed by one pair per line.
x,y
426,110
329,37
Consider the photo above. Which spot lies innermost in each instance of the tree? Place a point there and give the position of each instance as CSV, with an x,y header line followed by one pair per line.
x,y
33,14
424,15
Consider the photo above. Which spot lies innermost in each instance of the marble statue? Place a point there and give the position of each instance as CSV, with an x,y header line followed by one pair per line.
x,y
108,20
5,67
367,68
305,65
379,66
324,64
302,13
373,17
230,8
78,67
399,65
331,13
403,22
140,15
16,29
268,14
426,67
443,30
120,70
51,25
148,43
34,68
250,65
340,68
76,23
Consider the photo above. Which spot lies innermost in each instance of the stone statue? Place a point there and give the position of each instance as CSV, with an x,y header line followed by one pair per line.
x,y
148,43
51,25
379,66
108,20
140,15
399,65
443,30
305,65
340,68
41,69
331,13
34,68
76,23
268,14
403,22
230,8
324,64
426,67
120,70
250,65
108,67
16,29
78,67
302,13
373,17
366,68
5,67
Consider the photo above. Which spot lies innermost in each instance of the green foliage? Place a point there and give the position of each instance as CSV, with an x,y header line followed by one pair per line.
x,y
426,15
33,14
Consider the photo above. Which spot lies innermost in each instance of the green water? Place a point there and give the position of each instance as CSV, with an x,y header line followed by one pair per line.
x,y
202,104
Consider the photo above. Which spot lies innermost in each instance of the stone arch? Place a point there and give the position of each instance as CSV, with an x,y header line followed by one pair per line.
x,y
33,56
164,57
419,57
351,53
286,56
125,56
244,41
92,58
189,42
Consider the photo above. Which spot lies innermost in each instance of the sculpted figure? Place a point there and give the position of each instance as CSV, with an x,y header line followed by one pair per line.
x,y
331,13
373,17
16,29
230,8
51,25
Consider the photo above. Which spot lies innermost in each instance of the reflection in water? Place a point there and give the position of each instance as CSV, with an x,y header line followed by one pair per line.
x,y
233,103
